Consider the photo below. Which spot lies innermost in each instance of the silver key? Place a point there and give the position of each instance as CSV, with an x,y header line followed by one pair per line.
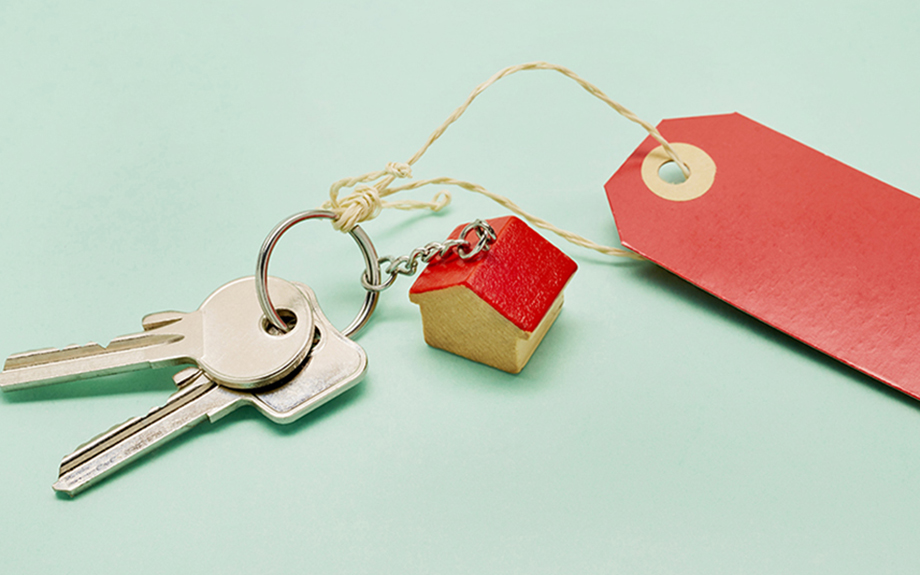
x,y
334,364
227,337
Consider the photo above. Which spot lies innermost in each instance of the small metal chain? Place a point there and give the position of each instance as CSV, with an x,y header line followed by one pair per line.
x,y
408,265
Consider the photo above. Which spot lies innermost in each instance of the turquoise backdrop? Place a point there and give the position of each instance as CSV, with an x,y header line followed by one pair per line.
x,y
147,148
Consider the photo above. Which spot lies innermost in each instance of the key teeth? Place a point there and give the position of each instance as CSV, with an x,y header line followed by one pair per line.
x,y
101,457
49,355
88,445
52,355
17,358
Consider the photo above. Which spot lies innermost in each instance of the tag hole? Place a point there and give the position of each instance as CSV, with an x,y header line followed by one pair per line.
x,y
287,316
664,179
670,172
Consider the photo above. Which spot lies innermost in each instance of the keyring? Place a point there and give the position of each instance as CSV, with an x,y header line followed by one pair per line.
x,y
265,252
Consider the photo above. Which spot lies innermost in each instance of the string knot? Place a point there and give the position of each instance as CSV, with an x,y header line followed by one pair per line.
x,y
365,202
399,169
361,205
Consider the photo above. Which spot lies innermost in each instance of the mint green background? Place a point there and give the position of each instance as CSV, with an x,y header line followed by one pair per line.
x,y
146,148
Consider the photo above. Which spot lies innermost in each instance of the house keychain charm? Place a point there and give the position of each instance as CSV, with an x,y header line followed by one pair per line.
x,y
490,292
494,309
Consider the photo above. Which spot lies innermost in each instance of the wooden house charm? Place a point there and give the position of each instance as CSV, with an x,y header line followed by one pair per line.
x,y
494,308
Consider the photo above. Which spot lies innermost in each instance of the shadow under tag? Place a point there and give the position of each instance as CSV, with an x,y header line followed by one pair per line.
x,y
807,244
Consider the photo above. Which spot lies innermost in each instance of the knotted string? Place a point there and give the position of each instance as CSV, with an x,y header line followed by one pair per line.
x,y
366,201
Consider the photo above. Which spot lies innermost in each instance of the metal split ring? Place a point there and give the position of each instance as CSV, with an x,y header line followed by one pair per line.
x,y
367,250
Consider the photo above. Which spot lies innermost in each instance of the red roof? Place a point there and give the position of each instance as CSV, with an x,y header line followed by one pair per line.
x,y
520,276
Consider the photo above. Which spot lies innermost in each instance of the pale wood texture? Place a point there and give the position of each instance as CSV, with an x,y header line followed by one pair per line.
x,y
456,320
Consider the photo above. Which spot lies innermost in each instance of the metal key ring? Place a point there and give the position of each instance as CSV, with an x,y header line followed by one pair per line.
x,y
367,250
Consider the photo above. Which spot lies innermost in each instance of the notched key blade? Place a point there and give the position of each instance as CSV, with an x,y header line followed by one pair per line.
x,y
54,355
225,337
44,366
38,356
199,400
47,355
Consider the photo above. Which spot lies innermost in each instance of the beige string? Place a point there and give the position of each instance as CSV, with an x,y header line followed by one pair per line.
x,y
366,201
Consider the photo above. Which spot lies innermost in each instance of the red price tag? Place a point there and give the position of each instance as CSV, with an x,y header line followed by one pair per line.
x,y
781,231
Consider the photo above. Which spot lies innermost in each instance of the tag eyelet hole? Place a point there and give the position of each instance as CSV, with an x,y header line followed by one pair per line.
x,y
670,173
287,316
702,173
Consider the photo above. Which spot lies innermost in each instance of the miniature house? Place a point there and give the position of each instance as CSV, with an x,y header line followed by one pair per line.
x,y
496,307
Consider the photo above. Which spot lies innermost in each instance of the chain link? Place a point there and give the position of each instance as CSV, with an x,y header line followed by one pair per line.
x,y
407,265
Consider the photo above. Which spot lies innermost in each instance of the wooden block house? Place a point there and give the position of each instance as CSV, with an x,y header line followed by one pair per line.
x,y
494,308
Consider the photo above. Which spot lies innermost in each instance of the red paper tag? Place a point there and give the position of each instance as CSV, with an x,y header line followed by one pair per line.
x,y
799,240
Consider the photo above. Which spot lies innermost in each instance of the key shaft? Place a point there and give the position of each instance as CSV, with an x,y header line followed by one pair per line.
x,y
227,337
198,401
160,347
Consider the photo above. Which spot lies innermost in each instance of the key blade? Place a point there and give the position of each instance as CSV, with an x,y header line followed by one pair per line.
x,y
197,401
52,355
127,353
